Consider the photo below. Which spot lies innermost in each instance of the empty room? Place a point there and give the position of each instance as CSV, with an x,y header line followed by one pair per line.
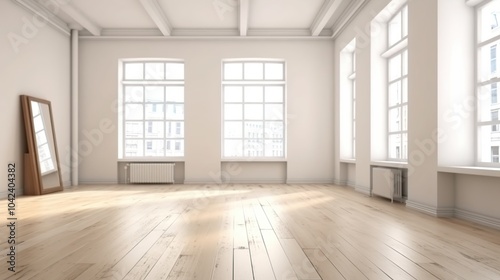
x,y
249,139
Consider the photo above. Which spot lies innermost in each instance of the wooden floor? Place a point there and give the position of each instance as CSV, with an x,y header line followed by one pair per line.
x,y
239,232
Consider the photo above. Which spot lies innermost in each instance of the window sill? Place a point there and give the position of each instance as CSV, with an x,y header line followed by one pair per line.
x,y
471,170
395,164
159,159
348,160
253,160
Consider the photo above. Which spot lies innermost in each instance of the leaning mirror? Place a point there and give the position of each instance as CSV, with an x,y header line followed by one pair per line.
x,y
42,173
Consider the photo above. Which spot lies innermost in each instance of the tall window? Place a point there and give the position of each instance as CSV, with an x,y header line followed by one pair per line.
x,y
253,94
488,122
152,115
397,65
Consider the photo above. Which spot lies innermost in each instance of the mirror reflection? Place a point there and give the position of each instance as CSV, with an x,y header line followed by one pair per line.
x,y
44,138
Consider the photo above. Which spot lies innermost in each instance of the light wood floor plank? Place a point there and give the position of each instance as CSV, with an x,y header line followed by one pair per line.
x,y
226,231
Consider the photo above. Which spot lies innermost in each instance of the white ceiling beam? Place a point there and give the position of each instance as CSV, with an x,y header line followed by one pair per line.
x,y
156,13
324,16
244,12
81,19
347,16
45,14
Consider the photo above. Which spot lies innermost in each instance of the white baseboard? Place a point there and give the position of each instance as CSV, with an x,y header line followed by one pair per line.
x,y
309,181
422,208
255,181
362,190
430,210
340,182
477,218
98,183
201,182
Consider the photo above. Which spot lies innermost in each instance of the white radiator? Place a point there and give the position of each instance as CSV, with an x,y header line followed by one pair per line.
x,y
151,173
387,182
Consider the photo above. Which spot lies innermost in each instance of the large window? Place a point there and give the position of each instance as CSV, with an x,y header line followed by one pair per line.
x,y
397,85
152,115
488,122
253,96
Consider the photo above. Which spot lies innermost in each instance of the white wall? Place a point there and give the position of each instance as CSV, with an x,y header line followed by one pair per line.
x,y
37,65
309,103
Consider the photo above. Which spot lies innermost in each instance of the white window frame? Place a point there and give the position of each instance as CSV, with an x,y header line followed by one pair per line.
x,y
484,156
164,82
395,49
255,137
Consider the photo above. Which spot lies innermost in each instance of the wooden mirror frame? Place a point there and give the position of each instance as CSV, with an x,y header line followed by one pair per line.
x,y
33,181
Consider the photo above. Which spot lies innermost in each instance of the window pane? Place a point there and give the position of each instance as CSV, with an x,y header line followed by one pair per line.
x,y
155,148
274,112
155,71
494,93
274,94
405,21
134,148
395,67
233,129
175,111
155,129
254,130
41,137
274,71
489,15
395,29
154,94
174,129
488,139
134,71
233,112
274,130
494,154
233,71
395,146
174,71
134,94
254,148
155,111
405,90
38,123
134,112
254,71
395,93
405,146
485,102
488,62
405,117
133,130
405,63
254,94
274,148
395,120
233,94
174,148
254,112
174,93
233,148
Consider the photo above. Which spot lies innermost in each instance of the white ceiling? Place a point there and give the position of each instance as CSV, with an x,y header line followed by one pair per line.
x,y
195,18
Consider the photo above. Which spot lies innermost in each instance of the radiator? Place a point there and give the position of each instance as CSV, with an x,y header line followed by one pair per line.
x,y
153,173
387,182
